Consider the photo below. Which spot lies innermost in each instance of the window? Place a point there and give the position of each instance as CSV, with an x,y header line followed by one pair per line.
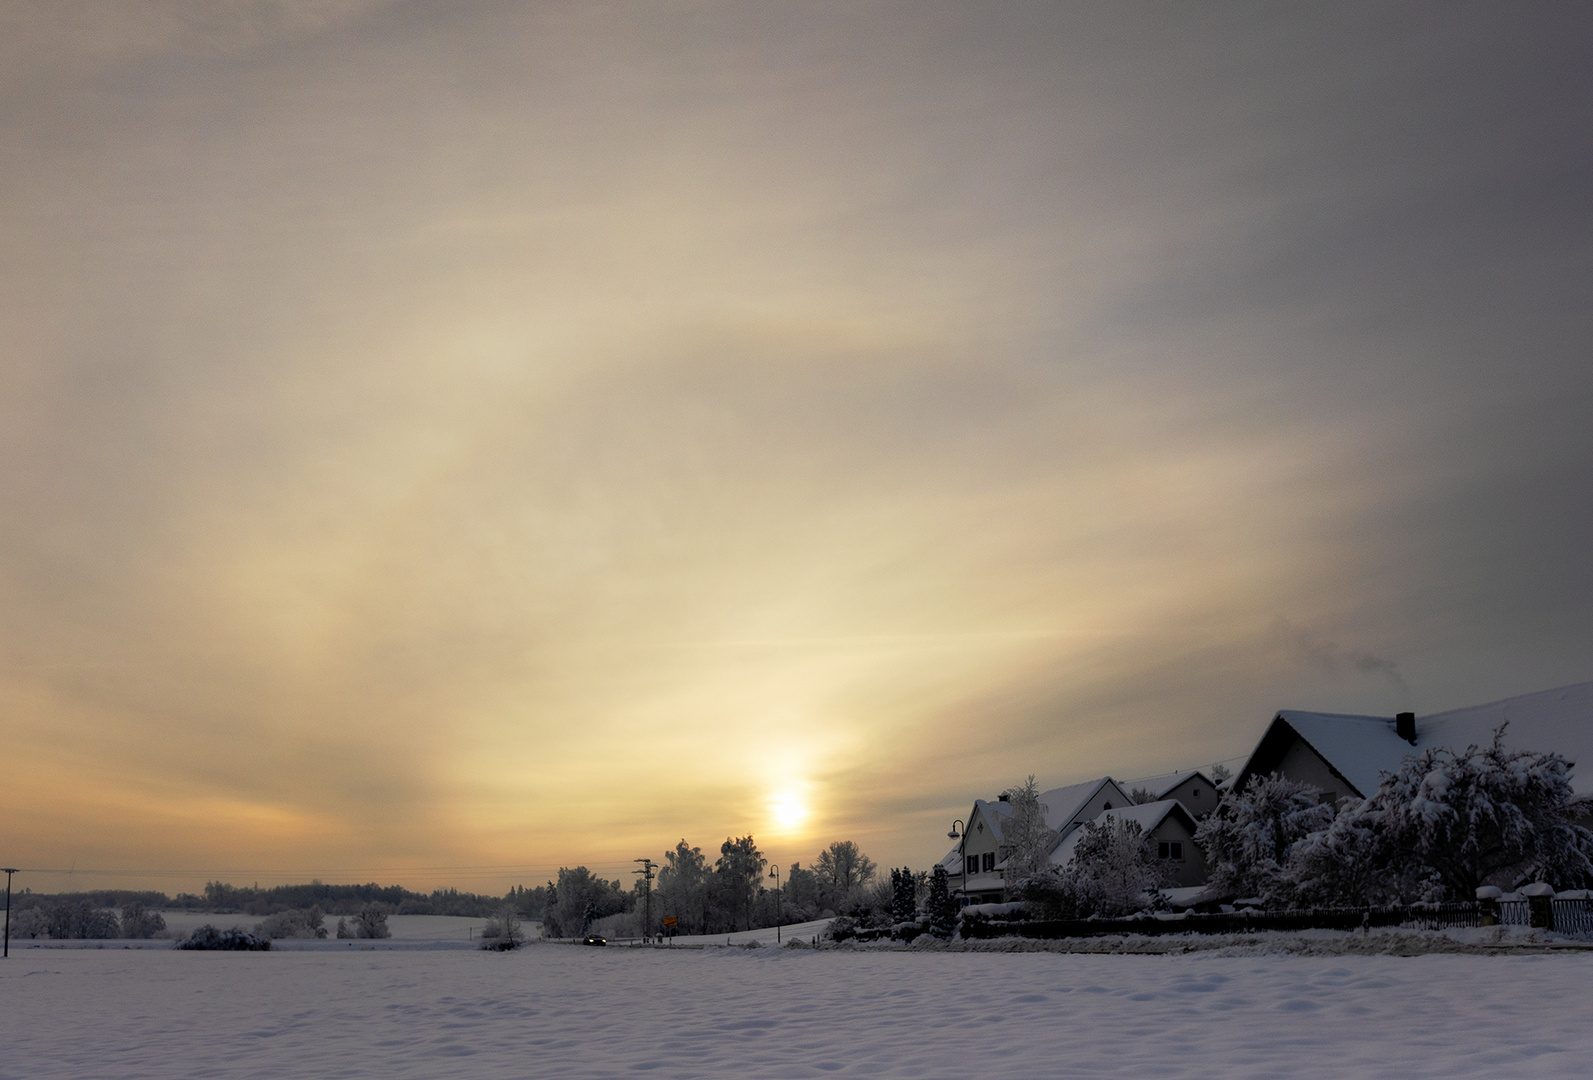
x,y
1163,850
1106,806
990,861
1170,849
1178,851
973,864
1197,793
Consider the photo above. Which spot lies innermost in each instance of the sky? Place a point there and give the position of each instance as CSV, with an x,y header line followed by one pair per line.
x,y
440,443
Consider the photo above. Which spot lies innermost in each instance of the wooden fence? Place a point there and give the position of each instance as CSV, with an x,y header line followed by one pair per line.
x,y
1424,916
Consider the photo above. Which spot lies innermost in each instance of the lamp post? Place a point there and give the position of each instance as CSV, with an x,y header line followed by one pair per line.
x,y
774,872
959,832
9,871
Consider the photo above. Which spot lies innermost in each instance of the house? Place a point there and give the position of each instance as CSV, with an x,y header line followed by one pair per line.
x,y
1169,831
1346,755
1194,789
974,865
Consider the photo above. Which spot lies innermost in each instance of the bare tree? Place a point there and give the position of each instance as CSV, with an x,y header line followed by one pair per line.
x,y
844,870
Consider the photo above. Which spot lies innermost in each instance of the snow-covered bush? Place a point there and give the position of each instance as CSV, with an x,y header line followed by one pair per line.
x,y
293,924
1449,822
236,939
1249,838
504,932
841,928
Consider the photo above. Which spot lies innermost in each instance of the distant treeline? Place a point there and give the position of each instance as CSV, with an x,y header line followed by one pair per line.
x,y
698,894
332,899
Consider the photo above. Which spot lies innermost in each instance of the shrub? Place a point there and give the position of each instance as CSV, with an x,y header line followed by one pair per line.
x,y
504,931
841,928
234,940
293,924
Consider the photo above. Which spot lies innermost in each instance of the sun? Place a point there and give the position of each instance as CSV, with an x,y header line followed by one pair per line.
x,y
789,809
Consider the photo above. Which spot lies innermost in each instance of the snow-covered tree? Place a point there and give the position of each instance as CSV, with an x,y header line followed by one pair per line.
x,y
1110,873
139,922
1347,863
1112,870
682,887
739,874
1026,840
903,900
1485,815
1249,838
941,907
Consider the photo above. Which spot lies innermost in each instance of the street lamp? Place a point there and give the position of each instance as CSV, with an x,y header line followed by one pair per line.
x,y
774,872
959,832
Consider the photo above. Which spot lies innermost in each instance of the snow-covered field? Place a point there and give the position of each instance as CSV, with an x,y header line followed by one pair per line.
x,y
568,1011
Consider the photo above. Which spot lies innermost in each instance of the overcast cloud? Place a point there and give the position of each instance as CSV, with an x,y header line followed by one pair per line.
x,y
511,435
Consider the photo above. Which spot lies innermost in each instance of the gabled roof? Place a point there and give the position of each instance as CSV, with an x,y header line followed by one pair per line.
x,y
1361,748
1061,804
1146,815
1159,786
994,813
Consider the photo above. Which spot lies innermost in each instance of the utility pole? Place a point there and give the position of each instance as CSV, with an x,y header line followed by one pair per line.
x,y
9,871
647,895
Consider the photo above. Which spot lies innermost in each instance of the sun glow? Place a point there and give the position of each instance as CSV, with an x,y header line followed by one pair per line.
x,y
789,809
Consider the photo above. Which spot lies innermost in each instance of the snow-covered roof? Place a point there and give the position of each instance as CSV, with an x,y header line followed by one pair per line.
x,y
1560,720
1146,815
1061,804
992,812
1159,786
1361,748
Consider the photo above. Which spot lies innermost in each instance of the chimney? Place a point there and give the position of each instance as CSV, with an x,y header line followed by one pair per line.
x,y
1003,797
1405,726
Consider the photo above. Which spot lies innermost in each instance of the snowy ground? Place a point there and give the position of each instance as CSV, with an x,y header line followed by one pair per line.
x,y
568,1011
